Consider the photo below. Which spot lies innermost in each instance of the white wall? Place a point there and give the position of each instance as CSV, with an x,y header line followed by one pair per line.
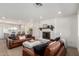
x,y
36,30
78,30
67,26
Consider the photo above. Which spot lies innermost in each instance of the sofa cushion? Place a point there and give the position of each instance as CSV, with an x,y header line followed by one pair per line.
x,y
52,43
53,48
22,37
13,37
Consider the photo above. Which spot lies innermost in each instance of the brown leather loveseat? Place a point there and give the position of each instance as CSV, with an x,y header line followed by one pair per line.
x,y
17,41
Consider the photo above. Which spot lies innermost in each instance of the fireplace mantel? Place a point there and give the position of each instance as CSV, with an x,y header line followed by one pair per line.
x,y
46,30
51,27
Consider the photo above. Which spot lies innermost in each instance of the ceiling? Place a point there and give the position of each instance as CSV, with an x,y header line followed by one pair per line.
x,y
27,11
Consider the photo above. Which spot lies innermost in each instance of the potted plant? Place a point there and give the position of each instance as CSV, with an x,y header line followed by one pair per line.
x,y
30,31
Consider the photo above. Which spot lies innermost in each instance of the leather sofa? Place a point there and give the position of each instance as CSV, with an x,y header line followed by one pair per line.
x,y
17,42
53,49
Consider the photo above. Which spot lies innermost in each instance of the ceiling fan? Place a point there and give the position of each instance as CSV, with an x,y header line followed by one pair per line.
x,y
38,4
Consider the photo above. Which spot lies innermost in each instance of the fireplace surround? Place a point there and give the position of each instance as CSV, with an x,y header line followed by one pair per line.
x,y
46,35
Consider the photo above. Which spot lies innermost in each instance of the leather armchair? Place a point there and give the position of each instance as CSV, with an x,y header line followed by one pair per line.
x,y
28,52
55,49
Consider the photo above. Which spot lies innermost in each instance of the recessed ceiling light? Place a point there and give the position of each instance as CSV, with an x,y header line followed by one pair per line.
x,y
41,17
59,12
3,17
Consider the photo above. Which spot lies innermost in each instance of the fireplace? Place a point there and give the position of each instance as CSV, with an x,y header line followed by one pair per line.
x,y
46,35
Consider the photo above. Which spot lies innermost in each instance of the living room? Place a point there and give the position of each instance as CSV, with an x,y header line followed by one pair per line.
x,y
55,23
